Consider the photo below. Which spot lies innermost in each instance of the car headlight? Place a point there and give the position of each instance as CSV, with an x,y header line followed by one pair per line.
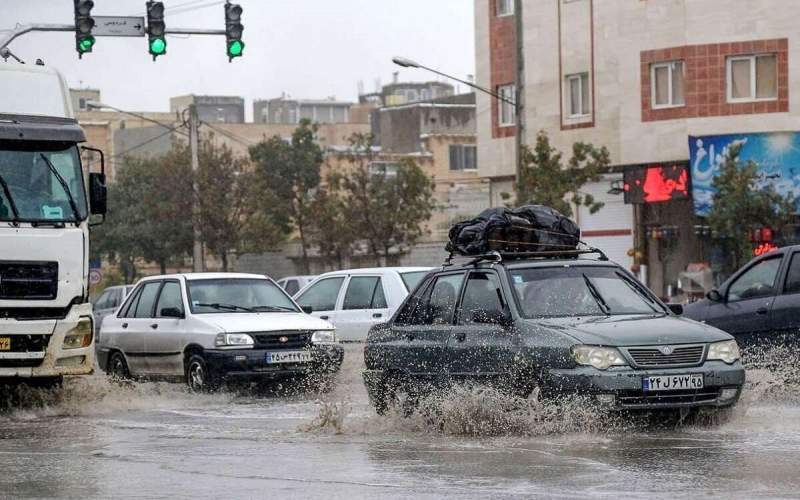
x,y
324,337
79,336
727,351
598,357
238,340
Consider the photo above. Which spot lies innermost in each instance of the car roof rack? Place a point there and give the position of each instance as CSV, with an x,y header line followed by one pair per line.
x,y
497,256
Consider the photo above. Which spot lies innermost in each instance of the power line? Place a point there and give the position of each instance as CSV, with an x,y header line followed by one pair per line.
x,y
230,135
145,143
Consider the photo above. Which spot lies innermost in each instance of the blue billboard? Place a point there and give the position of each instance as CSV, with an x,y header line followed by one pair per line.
x,y
777,155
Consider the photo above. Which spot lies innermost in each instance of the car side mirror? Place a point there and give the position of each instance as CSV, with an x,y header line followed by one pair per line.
x,y
714,295
676,308
491,317
171,312
98,193
307,309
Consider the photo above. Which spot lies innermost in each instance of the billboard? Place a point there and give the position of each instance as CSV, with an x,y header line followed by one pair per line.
x,y
777,155
656,183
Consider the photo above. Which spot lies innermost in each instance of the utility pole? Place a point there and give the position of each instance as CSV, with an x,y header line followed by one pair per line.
x,y
197,247
519,99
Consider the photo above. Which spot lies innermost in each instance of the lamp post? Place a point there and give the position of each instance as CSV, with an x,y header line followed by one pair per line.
x,y
408,63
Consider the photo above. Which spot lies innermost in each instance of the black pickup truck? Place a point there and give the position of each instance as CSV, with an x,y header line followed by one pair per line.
x,y
760,304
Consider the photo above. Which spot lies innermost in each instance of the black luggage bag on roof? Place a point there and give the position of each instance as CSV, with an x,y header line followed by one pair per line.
x,y
529,228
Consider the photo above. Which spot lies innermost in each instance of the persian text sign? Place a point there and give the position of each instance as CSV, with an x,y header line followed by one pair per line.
x,y
776,153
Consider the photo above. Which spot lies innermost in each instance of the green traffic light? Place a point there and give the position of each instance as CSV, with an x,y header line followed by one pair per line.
x,y
86,44
158,46
235,48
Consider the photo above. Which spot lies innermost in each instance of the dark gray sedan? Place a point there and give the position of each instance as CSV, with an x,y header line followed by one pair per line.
x,y
564,326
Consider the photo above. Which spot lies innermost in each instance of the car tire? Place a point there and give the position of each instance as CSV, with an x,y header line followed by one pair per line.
x,y
117,368
398,393
199,377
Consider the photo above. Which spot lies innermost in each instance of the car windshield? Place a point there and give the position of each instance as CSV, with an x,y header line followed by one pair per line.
x,y
41,182
237,295
412,279
544,292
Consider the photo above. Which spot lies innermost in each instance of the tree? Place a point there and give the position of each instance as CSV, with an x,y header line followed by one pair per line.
x,y
742,204
546,181
389,208
331,232
290,172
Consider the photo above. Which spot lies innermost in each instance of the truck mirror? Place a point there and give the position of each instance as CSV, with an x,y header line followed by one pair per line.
x,y
97,193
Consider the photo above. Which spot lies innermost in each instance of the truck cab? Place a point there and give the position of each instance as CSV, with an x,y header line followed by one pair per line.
x,y
46,201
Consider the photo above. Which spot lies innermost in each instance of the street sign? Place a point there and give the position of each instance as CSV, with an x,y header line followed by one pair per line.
x,y
118,26
95,277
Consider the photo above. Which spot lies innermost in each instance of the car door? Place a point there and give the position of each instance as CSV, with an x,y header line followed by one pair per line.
x,y
744,310
165,339
422,331
322,296
785,313
364,305
137,324
480,347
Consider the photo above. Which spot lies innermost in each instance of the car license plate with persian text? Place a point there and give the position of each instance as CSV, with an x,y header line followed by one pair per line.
x,y
5,343
274,358
673,382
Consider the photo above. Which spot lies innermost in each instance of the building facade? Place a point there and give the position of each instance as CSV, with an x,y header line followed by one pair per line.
x,y
211,108
660,84
283,110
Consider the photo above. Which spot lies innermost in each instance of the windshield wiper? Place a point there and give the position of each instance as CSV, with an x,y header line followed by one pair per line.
x,y
229,307
639,290
597,297
274,308
11,203
72,204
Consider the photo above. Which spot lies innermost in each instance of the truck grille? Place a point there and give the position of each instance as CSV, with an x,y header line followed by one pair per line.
x,y
678,356
28,280
641,398
272,340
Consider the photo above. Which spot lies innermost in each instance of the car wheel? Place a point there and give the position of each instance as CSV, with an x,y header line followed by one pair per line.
x,y
198,376
396,393
118,367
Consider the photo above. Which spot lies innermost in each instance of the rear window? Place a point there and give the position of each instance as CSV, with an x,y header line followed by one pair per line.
x,y
412,279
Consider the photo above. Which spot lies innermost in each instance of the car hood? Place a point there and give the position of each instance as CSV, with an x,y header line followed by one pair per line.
x,y
634,330
263,322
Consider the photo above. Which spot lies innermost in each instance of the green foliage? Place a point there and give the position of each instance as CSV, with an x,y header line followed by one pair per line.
x,y
742,204
386,209
290,174
546,181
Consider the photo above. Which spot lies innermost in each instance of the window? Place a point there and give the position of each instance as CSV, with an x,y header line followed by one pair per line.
x,y
103,301
115,298
383,168
82,104
406,314
364,292
170,298
667,83
482,295
758,281
322,295
507,115
752,78
463,157
578,95
439,302
144,308
237,295
411,279
127,310
793,276
291,287
504,7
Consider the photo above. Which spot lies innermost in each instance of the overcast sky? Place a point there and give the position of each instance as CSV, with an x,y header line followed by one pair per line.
x,y
306,48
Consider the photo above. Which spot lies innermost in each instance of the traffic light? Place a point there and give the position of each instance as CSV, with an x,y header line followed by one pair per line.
x,y
84,22
233,30
156,41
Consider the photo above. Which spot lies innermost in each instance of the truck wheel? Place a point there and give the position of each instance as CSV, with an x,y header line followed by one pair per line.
x,y
198,376
117,367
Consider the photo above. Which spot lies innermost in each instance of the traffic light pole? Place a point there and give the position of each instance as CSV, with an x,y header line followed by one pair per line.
x,y
9,37
197,247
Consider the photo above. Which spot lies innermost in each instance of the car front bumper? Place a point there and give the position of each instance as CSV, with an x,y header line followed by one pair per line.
x,y
622,387
251,363
54,361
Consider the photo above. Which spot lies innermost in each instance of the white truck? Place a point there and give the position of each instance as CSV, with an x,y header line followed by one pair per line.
x,y
46,202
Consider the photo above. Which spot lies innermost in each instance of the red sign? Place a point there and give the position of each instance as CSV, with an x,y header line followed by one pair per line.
x,y
656,183
764,248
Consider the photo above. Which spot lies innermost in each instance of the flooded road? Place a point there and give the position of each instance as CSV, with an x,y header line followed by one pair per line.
x,y
155,440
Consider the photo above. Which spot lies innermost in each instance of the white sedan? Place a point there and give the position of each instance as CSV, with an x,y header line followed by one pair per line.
x,y
354,300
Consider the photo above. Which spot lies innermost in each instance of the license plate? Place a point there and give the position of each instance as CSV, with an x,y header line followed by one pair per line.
x,y
5,343
673,382
274,358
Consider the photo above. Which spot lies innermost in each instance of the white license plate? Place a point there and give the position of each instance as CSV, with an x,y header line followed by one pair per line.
x,y
672,382
274,358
